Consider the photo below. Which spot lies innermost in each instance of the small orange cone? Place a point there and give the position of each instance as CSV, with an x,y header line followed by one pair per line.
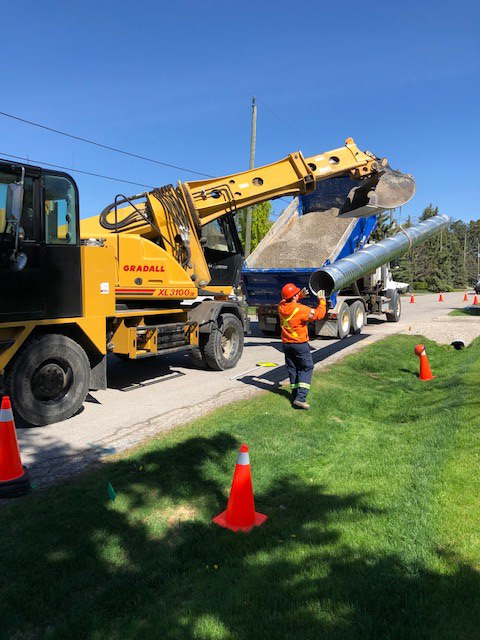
x,y
475,300
425,371
440,297
465,297
240,514
14,480
412,299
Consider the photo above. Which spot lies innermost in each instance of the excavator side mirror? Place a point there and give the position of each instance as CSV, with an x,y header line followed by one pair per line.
x,y
13,213
13,209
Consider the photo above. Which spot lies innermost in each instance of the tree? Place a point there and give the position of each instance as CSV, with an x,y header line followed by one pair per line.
x,y
260,223
385,226
440,263
405,269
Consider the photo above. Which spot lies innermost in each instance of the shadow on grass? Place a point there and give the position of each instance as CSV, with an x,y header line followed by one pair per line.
x,y
271,379
78,566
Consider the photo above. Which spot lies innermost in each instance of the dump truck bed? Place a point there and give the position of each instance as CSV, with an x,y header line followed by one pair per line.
x,y
302,240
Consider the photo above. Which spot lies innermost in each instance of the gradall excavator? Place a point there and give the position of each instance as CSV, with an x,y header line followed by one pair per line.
x,y
153,273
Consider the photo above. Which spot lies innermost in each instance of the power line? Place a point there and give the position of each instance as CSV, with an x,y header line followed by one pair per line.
x,y
244,91
103,146
88,173
283,121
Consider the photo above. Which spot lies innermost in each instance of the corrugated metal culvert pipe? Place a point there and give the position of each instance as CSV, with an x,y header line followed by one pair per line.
x,y
340,274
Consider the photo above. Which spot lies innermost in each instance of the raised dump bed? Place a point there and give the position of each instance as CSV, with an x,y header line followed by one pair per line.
x,y
307,236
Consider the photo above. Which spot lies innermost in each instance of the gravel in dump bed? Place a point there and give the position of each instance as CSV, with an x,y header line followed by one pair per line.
x,y
306,242
446,329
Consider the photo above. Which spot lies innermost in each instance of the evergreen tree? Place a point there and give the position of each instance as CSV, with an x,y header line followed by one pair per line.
x,y
459,272
385,226
404,271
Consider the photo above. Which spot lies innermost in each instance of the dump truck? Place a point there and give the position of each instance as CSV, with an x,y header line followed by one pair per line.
x,y
308,235
152,274
313,245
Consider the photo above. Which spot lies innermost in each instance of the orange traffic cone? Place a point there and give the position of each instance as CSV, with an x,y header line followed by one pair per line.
x,y
425,371
475,300
440,297
14,480
412,299
240,514
465,297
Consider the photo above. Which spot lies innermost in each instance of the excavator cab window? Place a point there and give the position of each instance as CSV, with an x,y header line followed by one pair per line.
x,y
219,236
223,251
60,205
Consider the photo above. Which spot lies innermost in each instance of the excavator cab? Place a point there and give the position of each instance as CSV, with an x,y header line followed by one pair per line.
x,y
223,251
39,244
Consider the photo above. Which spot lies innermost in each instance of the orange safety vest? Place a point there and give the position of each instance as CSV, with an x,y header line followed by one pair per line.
x,y
294,319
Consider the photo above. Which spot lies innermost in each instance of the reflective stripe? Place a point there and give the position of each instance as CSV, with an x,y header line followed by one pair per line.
x,y
304,385
6,415
285,322
294,386
243,458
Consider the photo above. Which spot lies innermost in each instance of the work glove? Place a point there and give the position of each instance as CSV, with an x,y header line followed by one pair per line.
x,y
304,293
321,294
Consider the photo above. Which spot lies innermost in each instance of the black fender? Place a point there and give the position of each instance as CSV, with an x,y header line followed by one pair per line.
x,y
205,314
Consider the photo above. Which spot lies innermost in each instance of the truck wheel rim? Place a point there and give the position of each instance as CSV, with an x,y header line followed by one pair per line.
x,y
229,342
51,381
359,318
345,321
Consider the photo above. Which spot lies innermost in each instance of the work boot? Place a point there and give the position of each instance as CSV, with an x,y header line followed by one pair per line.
x,y
298,404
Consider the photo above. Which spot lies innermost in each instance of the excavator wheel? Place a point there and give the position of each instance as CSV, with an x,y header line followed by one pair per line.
x,y
48,380
225,343
197,357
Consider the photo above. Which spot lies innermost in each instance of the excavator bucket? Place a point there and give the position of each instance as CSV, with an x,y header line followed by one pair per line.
x,y
385,189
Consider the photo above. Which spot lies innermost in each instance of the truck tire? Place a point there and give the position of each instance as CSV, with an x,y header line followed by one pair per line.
x,y
396,306
197,357
357,317
48,380
343,321
224,345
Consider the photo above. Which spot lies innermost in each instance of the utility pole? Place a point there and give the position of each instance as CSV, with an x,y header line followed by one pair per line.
x,y
253,143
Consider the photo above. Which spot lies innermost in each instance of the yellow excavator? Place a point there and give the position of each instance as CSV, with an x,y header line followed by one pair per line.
x,y
153,273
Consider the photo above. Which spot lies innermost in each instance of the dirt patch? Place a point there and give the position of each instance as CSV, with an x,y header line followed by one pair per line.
x,y
306,241
181,514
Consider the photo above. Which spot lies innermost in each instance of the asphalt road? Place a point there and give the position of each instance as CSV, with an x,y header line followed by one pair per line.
x,y
149,396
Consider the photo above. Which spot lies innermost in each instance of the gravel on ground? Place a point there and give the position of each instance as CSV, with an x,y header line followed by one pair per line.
x,y
446,329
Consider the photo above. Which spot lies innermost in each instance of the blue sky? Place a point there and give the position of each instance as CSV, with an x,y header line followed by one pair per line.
x,y
173,81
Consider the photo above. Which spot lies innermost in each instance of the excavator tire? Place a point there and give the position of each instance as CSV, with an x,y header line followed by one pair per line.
x,y
197,357
48,380
225,343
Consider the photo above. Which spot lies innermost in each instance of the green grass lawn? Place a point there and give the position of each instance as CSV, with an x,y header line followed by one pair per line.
x,y
373,503
468,311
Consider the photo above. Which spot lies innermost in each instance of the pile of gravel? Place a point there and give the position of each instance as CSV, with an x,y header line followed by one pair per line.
x,y
306,241
446,329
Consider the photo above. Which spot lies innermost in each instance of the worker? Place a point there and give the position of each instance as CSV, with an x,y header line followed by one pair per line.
x,y
294,319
